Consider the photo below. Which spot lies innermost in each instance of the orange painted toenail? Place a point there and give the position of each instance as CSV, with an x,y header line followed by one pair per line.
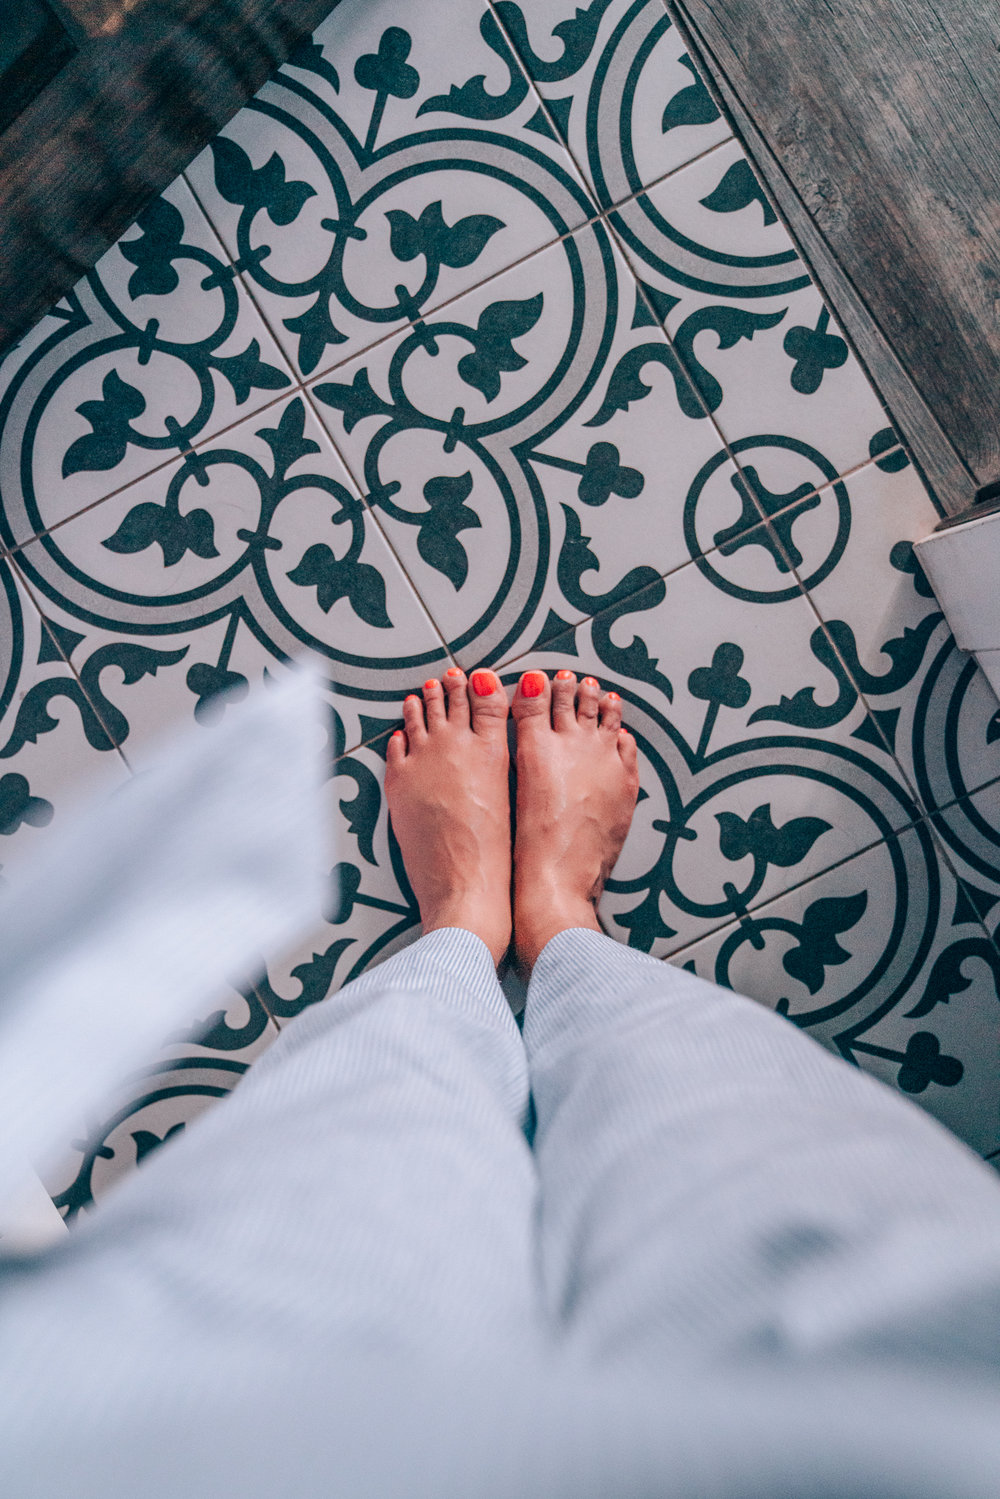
x,y
590,681
453,671
412,698
563,676
432,682
482,684
397,734
532,684
613,697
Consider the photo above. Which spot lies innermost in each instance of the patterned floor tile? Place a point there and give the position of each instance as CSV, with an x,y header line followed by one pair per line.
x,y
884,960
709,229
536,430
53,746
372,911
159,1102
778,373
736,807
970,832
384,170
619,86
754,335
931,701
209,574
158,348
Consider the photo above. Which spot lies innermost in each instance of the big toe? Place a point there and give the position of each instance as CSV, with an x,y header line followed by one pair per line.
x,y
487,704
533,699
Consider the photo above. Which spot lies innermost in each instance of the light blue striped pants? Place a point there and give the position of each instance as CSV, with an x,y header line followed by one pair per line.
x,y
726,1263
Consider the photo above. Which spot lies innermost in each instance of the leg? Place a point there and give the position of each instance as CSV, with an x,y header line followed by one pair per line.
x,y
366,1193
711,1179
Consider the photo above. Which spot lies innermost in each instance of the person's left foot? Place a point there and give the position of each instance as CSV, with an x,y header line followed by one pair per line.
x,y
446,785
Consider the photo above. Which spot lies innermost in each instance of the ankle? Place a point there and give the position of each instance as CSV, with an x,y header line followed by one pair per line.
x,y
494,934
533,932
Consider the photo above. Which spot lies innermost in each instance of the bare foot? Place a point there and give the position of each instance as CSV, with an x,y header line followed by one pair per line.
x,y
446,784
577,783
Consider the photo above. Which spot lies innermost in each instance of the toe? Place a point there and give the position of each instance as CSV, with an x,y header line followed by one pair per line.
x,y
413,720
611,712
628,752
489,704
458,697
532,698
588,696
395,752
434,705
564,700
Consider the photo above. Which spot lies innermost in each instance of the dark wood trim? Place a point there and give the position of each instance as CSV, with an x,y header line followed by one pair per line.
x,y
118,122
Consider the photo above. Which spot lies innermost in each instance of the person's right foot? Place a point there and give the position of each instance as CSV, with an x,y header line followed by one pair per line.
x,y
577,784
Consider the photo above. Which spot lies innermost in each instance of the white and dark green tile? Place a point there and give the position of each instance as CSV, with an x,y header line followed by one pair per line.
x,y
385,169
153,352
505,453
885,961
618,86
214,572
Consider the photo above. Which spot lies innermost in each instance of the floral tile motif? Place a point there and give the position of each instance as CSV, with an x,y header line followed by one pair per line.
x,y
158,1103
385,169
753,334
53,745
618,86
736,807
212,572
709,229
885,961
537,429
372,912
154,351
933,705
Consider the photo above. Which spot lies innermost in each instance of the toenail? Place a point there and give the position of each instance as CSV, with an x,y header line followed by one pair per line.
x,y
532,684
590,681
613,697
482,684
412,698
431,682
397,734
563,676
454,671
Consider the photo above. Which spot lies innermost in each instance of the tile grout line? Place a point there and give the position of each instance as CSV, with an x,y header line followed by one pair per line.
x,y
925,820
693,561
733,457
371,512
824,625
43,623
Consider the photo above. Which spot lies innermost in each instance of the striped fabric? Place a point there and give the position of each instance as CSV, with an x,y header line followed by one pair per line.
x,y
728,1264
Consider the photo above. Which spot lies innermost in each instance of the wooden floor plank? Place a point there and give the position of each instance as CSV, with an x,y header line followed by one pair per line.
x,y
118,122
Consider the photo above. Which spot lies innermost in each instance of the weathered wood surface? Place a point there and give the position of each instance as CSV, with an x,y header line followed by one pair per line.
x,y
151,83
876,125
